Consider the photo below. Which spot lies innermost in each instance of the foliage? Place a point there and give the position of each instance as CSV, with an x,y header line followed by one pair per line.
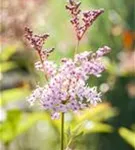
x,y
13,95
127,135
17,123
107,126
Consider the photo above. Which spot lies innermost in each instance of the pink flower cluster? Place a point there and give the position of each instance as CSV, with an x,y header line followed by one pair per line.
x,y
66,89
88,17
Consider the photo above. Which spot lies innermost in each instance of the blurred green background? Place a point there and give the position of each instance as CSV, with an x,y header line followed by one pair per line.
x,y
108,126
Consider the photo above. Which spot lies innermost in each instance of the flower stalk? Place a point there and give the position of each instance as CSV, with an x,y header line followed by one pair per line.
x,y
76,49
66,88
62,131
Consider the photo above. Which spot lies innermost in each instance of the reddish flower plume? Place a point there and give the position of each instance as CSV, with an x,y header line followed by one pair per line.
x,y
87,18
37,42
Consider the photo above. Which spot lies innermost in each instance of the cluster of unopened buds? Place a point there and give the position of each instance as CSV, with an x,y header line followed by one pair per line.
x,y
87,17
66,88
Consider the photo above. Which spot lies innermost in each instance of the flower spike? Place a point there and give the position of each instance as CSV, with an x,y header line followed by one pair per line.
x,y
88,18
36,41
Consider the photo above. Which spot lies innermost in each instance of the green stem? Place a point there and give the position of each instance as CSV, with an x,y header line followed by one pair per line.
x,y
62,131
7,146
67,146
76,49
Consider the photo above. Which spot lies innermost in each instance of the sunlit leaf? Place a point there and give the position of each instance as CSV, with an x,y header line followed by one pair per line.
x,y
7,53
56,124
74,134
28,120
6,66
9,126
127,135
94,127
13,95
111,67
18,123
99,113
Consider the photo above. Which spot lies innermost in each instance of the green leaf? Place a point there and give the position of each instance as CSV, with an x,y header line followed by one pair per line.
x,y
6,66
13,95
18,123
112,67
99,113
29,120
127,135
9,126
7,53
74,135
78,129
94,127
